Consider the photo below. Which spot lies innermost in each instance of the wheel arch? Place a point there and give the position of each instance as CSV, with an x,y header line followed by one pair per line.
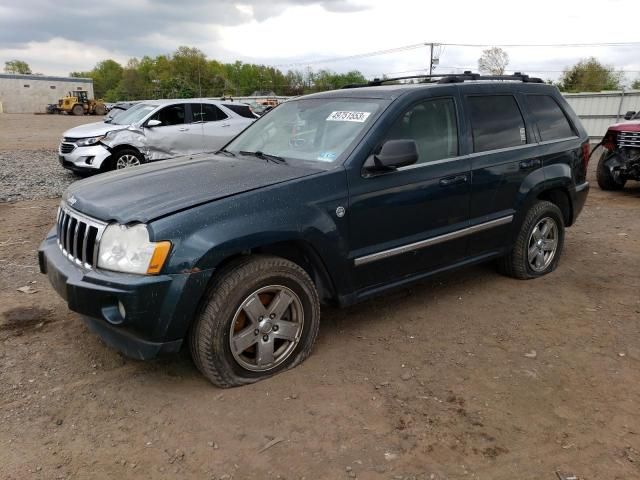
x,y
298,251
109,163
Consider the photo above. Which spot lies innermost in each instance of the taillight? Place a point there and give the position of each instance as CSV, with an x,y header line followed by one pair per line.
x,y
586,153
609,141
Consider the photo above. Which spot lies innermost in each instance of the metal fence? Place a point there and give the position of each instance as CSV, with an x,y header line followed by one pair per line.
x,y
598,110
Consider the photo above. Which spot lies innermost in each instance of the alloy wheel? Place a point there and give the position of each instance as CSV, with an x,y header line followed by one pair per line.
x,y
127,160
266,328
543,244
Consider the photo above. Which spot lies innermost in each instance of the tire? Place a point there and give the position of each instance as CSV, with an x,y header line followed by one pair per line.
x,y
100,110
126,158
77,110
246,284
606,180
518,263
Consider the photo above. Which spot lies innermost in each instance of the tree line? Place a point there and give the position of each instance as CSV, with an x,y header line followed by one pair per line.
x,y
188,73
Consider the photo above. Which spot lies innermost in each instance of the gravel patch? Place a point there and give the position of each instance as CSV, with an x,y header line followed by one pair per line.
x,y
32,174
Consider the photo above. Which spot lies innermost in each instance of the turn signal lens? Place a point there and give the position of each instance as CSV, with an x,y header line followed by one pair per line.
x,y
158,258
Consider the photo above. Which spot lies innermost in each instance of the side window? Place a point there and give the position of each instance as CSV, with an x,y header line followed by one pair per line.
x,y
496,122
206,112
551,120
171,115
242,110
432,125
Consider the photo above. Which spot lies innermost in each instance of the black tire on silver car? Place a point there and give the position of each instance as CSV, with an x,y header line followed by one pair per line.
x,y
260,316
606,179
127,157
538,245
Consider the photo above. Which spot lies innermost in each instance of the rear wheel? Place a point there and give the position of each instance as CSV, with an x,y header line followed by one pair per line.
x,y
606,179
538,245
77,110
260,317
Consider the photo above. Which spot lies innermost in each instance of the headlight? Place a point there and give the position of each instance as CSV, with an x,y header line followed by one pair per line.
x,y
85,142
128,249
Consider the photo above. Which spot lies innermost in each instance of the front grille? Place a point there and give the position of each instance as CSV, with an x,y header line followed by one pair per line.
x,y
629,139
79,237
67,147
71,139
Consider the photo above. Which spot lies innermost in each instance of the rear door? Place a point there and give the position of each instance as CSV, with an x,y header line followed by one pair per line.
x,y
406,221
502,149
217,126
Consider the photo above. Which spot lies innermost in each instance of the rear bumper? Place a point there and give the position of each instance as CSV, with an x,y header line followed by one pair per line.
x,y
158,309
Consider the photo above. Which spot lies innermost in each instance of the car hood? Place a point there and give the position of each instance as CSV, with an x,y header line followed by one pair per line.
x,y
141,194
92,130
632,126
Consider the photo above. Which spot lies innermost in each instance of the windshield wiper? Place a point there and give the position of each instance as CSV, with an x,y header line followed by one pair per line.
x,y
264,156
224,151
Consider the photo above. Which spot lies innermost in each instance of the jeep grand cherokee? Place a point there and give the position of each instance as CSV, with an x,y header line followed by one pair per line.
x,y
332,197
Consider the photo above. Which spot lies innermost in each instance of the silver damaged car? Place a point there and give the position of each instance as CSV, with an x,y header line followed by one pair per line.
x,y
153,130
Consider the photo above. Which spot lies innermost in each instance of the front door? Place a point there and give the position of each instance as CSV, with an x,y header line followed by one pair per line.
x,y
173,136
407,221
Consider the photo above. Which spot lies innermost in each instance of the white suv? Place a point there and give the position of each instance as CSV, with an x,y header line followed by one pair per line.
x,y
153,130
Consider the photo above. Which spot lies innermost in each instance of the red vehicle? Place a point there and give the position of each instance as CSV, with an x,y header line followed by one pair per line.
x,y
620,160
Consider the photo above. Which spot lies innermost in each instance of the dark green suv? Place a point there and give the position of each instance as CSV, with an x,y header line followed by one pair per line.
x,y
333,197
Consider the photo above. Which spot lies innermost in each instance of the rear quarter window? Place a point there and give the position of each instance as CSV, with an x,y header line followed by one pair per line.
x,y
496,122
550,118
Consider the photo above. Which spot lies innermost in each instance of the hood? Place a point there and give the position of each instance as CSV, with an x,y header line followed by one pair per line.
x,y
92,130
141,194
632,126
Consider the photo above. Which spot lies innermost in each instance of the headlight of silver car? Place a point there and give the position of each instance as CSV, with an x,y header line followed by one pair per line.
x,y
86,142
128,249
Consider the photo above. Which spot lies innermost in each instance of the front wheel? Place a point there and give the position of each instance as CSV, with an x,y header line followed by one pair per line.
x,y
260,317
607,180
127,158
538,245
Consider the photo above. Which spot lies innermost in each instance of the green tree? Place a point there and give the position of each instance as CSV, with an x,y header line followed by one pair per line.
x,y
17,66
636,84
589,75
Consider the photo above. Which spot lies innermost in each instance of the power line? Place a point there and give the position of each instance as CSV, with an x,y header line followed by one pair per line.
x,y
478,45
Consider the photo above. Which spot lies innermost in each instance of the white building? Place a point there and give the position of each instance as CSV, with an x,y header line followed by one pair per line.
x,y
32,93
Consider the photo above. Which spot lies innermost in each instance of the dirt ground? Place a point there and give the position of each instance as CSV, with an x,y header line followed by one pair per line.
x,y
32,132
470,375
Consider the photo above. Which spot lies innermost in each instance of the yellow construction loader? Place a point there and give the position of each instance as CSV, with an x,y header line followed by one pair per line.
x,y
78,103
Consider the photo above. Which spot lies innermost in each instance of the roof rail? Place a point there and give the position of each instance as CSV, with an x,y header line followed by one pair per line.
x,y
449,78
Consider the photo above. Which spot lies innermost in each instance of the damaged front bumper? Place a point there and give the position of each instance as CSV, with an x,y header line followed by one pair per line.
x,y
83,159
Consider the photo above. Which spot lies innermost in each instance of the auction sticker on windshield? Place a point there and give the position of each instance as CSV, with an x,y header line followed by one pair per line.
x,y
348,116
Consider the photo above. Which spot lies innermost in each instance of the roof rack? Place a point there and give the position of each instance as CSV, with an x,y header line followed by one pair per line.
x,y
449,78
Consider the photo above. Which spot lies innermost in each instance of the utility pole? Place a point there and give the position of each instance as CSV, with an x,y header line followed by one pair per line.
x,y
431,59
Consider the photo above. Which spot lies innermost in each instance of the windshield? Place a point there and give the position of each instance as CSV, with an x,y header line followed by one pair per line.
x,y
317,130
133,115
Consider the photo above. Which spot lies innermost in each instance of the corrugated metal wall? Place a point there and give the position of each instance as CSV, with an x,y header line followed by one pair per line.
x,y
599,110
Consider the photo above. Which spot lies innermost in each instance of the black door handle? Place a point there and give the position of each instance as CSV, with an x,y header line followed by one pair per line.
x,y
531,163
445,182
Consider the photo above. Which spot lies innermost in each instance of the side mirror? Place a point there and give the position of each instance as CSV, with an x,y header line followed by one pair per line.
x,y
629,115
393,154
153,123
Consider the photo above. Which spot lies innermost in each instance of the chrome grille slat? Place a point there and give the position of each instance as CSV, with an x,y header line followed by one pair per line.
x,y
79,236
629,139
67,147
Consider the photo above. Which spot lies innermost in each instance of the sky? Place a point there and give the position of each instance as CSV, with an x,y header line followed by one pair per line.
x,y
57,37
